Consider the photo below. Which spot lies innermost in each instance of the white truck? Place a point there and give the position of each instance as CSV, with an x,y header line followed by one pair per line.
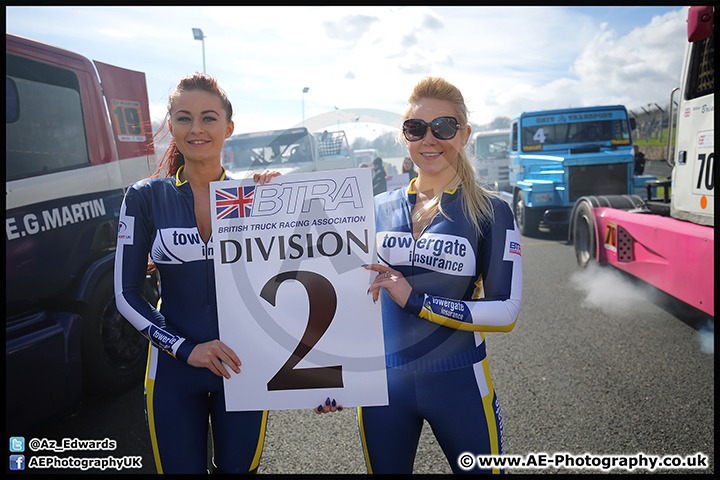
x,y
293,150
492,150
667,242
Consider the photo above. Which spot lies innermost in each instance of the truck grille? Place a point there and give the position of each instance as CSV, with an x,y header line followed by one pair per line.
x,y
608,179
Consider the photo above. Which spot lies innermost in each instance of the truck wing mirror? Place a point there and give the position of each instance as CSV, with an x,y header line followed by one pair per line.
x,y
12,101
700,22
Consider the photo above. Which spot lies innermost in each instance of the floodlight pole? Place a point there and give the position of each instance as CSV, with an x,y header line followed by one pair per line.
x,y
198,34
305,90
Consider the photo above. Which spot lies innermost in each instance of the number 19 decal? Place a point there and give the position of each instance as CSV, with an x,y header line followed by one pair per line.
x,y
128,121
323,304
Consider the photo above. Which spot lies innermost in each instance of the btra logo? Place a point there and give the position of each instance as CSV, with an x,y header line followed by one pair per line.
x,y
289,198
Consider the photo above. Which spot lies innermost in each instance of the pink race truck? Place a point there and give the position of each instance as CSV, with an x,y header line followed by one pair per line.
x,y
668,241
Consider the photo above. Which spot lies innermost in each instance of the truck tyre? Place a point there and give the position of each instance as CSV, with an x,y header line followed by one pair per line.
x,y
583,228
527,218
113,351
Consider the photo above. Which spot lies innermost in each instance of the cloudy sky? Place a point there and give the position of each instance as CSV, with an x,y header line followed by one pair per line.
x,y
504,59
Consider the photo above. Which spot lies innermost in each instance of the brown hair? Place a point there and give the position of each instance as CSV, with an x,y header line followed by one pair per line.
x,y
172,160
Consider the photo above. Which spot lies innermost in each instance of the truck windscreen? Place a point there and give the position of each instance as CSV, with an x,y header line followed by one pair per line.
x,y
265,148
561,131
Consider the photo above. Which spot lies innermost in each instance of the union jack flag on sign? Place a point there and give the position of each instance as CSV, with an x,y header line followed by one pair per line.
x,y
235,202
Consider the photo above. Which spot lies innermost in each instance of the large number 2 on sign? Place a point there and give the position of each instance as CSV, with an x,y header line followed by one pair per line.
x,y
323,303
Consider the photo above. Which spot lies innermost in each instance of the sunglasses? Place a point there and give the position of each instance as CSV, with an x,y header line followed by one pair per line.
x,y
443,128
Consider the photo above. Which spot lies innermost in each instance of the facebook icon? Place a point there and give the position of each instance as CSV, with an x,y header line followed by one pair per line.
x,y
17,462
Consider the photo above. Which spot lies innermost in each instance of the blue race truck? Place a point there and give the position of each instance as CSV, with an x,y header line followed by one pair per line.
x,y
558,156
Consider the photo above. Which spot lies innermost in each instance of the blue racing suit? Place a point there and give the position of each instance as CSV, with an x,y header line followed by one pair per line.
x,y
158,218
464,283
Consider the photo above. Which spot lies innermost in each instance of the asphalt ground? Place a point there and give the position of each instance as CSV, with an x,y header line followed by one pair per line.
x,y
597,364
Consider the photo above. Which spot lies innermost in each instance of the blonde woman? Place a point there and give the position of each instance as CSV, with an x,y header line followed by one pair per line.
x,y
449,270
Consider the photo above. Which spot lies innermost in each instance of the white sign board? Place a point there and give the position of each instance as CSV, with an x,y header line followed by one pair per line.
x,y
398,181
292,293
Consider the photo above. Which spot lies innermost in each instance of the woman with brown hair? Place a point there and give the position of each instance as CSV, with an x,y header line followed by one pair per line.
x,y
169,218
409,167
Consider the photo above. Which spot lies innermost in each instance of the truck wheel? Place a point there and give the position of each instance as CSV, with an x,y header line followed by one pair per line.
x,y
527,219
583,225
113,351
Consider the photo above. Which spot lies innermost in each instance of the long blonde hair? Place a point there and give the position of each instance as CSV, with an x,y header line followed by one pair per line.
x,y
477,203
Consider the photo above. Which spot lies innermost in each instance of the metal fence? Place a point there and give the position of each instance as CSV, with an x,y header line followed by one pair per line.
x,y
651,122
